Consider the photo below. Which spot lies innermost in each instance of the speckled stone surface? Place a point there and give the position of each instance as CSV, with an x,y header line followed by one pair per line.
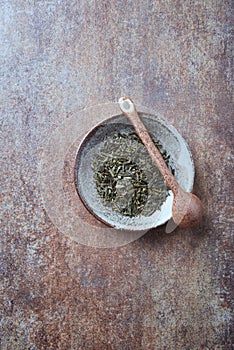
x,y
163,291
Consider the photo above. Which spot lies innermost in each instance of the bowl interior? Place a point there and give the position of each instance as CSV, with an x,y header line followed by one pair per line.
x,y
92,145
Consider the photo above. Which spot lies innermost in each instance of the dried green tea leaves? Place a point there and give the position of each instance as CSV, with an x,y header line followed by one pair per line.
x,y
122,183
126,179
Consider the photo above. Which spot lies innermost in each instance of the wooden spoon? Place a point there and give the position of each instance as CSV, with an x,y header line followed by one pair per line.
x,y
187,208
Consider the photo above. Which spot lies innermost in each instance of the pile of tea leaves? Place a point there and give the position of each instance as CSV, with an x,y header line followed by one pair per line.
x,y
126,179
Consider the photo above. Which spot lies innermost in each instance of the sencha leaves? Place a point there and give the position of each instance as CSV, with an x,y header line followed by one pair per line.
x,y
126,179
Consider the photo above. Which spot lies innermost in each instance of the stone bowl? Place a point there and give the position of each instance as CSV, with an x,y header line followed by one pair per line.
x,y
172,142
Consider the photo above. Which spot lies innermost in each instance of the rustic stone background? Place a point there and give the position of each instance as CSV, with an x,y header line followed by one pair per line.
x,y
162,291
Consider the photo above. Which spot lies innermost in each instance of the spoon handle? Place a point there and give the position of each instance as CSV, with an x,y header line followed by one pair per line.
x,y
128,108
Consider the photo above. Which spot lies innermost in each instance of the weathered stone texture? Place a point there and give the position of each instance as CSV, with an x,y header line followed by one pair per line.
x,y
162,291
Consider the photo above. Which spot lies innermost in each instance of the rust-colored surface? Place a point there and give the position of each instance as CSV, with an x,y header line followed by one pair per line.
x,y
163,291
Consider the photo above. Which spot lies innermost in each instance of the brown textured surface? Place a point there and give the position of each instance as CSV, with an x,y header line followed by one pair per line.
x,y
162,291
